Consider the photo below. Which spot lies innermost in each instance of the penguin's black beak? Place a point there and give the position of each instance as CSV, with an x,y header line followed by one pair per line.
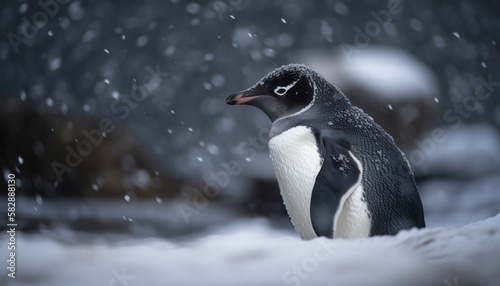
x,y
241,98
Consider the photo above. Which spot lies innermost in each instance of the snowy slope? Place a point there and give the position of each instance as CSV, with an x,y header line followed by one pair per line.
x,y
250,252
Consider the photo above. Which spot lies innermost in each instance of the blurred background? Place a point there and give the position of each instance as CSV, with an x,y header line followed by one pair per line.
x,y
113,115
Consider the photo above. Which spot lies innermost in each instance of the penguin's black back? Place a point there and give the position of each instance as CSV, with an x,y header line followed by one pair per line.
x,y
388,182
389,186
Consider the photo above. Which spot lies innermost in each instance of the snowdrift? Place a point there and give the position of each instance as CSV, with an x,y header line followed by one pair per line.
x,y
251,252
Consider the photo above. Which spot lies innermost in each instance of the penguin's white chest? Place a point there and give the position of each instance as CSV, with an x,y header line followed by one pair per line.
x,y
296,162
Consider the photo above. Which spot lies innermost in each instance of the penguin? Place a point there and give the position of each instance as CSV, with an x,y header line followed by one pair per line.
x,y
340,174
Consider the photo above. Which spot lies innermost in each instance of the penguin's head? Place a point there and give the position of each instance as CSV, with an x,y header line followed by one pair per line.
x,y
285,91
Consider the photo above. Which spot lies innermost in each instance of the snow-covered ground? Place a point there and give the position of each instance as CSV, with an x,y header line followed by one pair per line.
x,y
250,252
107,242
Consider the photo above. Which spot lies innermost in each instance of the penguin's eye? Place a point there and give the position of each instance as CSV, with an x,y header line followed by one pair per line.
x,y
281,90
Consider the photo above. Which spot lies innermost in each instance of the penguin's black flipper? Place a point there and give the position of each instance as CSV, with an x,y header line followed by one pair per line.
x,y
336,179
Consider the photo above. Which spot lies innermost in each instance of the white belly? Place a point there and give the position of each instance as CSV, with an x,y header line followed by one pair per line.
x,y
353,221
297,162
